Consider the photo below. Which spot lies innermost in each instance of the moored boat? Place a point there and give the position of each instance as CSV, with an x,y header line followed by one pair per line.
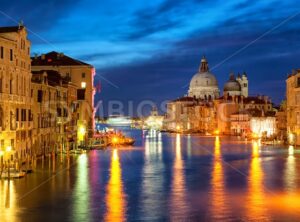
x,y
12,173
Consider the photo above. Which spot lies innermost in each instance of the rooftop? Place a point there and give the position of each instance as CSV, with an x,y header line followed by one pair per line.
x,y
11,29
56,59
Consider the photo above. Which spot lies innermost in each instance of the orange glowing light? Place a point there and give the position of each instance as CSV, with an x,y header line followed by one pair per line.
x,y
115,140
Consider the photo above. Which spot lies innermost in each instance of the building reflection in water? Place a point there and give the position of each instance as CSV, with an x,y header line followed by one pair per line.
x,y
290,171
219,205
256,208
152,203
179,205
8,207
81,195
189,145
115,198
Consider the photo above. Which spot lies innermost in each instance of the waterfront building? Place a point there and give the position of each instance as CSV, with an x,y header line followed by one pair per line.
x,y
154,120
240,106
80,75
177,116
203,110
16,120
293,107
281,122
54,107
253,122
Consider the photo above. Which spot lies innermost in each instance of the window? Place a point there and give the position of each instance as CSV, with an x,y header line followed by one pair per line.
x,y
11,54
10,86
1,52
59,114
83,75
40,96
298,82
80,94
83,85
17,114
245,84
29,115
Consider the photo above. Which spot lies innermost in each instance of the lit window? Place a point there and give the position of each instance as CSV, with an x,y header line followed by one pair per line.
x,y
83,85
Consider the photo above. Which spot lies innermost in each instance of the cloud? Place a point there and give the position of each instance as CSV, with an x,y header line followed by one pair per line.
x,y
36,14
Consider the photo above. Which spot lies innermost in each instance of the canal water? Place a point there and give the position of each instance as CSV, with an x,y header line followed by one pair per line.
x,y
164,177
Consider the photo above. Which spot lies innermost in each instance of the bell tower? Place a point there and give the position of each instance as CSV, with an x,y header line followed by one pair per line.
x,y
243,80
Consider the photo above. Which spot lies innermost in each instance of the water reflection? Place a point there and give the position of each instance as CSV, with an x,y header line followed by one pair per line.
x,y
8,201
256,209
81,193
115,198
219,205
152,207
189,146
178,202
290,171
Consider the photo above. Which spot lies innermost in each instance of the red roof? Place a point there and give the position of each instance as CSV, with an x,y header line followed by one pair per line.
x,y
56,59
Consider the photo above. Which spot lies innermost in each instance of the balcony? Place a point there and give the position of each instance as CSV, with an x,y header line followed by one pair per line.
x,y
5,97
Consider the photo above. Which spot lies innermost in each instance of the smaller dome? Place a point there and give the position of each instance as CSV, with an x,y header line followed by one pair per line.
x,y
232,84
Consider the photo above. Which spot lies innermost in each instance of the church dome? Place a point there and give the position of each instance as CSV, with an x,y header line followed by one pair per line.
x,y
232,84
204,84
203,79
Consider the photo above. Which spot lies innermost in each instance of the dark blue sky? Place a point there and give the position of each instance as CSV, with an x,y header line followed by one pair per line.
x,y
149,50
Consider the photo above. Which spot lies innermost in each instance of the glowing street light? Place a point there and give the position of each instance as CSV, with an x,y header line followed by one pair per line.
x,y
115,140
217,132
8,148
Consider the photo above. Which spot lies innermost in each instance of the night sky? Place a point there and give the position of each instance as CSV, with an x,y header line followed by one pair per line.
x,y
149,50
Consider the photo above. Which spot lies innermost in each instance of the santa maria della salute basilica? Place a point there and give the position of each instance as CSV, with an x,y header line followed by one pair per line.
x,y
207,110
204,84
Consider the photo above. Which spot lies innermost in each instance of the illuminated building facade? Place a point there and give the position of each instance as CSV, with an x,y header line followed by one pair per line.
x,y
293,107
204,111
154,121
54,108
281,122
80,75
16,120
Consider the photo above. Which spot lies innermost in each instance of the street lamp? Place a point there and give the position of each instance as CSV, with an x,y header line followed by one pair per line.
x,y
8,149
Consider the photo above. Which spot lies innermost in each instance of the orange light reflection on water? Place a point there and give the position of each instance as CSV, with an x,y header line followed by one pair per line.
x,y
8,207
257,208
178,201
115,198
219,206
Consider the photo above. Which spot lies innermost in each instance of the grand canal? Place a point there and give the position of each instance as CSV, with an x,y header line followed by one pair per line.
x,y
164,177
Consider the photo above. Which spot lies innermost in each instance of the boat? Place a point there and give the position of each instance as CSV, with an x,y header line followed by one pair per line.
x,y
98,144
116,120
120,140
12,173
